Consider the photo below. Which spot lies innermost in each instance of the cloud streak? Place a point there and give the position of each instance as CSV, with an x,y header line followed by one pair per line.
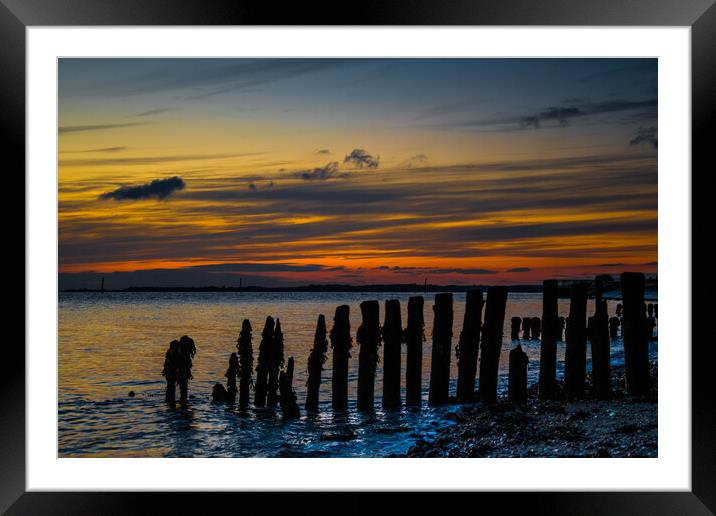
x,y
159,189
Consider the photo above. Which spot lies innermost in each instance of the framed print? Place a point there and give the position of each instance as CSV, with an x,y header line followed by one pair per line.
x,y
425,250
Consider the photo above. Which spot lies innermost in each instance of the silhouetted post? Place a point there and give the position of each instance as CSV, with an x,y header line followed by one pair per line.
x,y
414,337
469,346
575,358
614,327
535,327
341,344
392,340
170,370
185,353
620,308
289,407
526,327
315,365
599,336
492,342
275,364
560,329
636,347
440,361
550,334
218,393
246,363
517,380
368,337
262,366
231,374
515,329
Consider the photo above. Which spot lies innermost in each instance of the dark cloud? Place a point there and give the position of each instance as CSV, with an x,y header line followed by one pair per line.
x,y
319,173
648,135
151,112
360,158
519,269
159,188
64,129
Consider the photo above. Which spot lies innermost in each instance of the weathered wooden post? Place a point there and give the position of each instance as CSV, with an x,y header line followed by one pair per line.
x,y
614,327
515,328
341,344
440,361
599,336
575,358
185,353
492,342
469,346
368,337
526,327
414,337
263,363
535,327
275,364
636,346
315,365
517,379
246,363
231,374
289,406
170,371
392,340
550,333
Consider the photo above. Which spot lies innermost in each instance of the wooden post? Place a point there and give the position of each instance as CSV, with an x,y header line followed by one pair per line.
x,y
289,407
170,371
415,335
275,364
185,353
575,358
599,336
614,327
262,366
315,365
469,346
526,327
535,327
368,337
246,363
560,330
517,380
515,328
492,342
440,361
636,346
392,340
341,344
231,374
550,333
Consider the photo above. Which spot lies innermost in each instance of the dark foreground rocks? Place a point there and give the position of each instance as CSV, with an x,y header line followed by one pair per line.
x,y
620,427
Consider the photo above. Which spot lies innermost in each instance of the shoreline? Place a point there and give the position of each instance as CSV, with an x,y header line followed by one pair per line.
x,y
623,426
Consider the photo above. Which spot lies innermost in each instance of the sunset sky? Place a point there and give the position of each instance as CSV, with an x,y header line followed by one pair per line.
x,y
189,172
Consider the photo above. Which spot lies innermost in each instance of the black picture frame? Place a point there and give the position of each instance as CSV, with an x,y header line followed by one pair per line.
x,y
17,15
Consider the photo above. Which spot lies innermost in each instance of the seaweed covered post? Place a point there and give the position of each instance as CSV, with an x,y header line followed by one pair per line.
x,y
636,345
231,374
442,348
341,344
414,338
492,342
289,406
169,372
515,328
599,336
575,356
262,367
526,327
185,352
368,337
246,363
469,346
315,365
548,346
392,340
276,359
517,380
535,327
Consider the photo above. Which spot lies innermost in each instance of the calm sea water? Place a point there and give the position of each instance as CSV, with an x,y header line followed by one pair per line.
x,y
112,343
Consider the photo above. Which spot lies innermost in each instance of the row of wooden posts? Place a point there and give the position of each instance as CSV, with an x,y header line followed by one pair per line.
x,y
484,338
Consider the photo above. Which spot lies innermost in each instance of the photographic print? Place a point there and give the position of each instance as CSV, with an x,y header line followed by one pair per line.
x,y
384,257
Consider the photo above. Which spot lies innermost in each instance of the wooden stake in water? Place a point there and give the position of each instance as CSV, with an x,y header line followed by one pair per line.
x,y
575,358
263,363
368,337
275,364
526,328
315,365
469,346
289,407
517,380
246,363
415,335
599,336
548,347
392,340
442,347
636,345
516,322
341,344
492,342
